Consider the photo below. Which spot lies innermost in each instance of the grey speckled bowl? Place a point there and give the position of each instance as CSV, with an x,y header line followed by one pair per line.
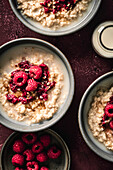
x,y
14,46
103,82
62,163
72,27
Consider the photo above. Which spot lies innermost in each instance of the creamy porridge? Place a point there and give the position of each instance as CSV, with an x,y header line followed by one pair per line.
x,y
32,90
53,13
100,117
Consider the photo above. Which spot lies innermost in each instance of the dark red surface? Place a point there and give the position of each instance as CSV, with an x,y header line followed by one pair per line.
x,y
86,65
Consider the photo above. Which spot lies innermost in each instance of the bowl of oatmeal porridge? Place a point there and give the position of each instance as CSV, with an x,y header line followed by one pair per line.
x,y
36,84
95,116
55,18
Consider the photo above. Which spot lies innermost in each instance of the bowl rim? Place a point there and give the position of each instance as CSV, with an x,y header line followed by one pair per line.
x,y
69,70
84,134
102,25
47,131
82,23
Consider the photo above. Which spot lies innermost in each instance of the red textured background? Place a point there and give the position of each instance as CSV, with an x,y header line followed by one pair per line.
x,y
86,65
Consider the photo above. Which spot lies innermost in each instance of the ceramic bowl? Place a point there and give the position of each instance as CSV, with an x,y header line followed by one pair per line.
x,y
62,163
72,27
11,49
104,82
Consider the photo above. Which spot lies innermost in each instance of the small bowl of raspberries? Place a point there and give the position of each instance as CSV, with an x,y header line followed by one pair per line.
x,y
44,150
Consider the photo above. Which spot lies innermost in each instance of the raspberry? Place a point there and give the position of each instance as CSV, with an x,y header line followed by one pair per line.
x,y
24,93
29,155
40,91
23,100
17,168
32,166
24,64
46,140
42,157
109,110
104,117
111,124
35,72
18,146
46,10
20,78
54,152
13,73
31,98
29,138
13,87
37,147
12,98
58,5
32,85
44,168
44,96
111,98
110,102
45,71
18,160
52,85
44,67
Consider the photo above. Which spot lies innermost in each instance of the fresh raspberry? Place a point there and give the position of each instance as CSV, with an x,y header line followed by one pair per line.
x,y
29,155
20,78
44,67
37,147
32,85
110,102
44,168
104,117
111,124
44,96
111,98
32,165
17,168
109,110
45,71
24,93
29,138
53,152
31,98
52,85
46,140
42,157
13,73
18,160
18,146
24,64
12,98
35,72
23,100
13,87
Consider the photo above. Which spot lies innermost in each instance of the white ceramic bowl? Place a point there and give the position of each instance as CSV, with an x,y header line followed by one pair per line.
x,y
72,27
7,51
104,82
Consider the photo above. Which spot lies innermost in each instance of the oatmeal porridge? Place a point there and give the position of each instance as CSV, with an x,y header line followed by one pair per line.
x,y
32,90
53,13
100,117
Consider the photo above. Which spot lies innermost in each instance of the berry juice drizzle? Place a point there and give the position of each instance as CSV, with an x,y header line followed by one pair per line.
x,y
31,80
58,5
108,114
